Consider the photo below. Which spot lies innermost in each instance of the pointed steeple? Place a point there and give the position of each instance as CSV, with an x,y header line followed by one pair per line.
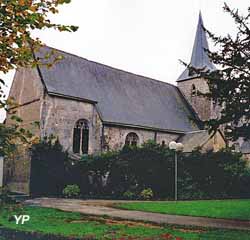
x,y
199,57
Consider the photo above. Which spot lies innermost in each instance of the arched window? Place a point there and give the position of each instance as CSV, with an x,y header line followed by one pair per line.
x,y
132,139
81,137
193,91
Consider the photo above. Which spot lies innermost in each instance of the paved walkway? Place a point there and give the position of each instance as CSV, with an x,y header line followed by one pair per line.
x,y
104,208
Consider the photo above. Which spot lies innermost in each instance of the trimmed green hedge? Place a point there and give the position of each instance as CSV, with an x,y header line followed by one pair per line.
x,y
223,174
130,171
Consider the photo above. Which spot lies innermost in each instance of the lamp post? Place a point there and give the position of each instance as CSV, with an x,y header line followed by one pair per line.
x,y
176,147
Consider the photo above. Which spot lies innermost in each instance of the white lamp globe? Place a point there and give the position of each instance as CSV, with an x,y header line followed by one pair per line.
x,y
179,147
172,145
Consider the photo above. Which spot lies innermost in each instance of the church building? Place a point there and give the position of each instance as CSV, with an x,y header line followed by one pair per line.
x,y
93,108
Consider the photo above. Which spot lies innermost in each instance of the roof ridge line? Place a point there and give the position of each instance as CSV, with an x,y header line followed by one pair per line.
x,y
198,131
136,74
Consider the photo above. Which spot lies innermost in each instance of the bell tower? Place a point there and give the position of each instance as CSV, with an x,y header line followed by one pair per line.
x,y
190,83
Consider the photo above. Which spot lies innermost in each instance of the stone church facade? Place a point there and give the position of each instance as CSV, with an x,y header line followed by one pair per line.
x,y
93,108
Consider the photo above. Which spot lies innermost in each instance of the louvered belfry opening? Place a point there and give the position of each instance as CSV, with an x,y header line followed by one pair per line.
x,y
193,91
81,137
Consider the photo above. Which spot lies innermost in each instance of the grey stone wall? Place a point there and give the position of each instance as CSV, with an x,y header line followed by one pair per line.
x,y
203,107
27,91
17,171
26,86
166,137
59,116
115,136
215,143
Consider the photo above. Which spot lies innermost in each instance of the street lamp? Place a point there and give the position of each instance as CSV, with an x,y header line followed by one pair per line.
x,y
176,147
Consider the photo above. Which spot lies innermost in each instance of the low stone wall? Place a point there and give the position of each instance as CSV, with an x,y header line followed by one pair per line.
x,y
10,234
17,171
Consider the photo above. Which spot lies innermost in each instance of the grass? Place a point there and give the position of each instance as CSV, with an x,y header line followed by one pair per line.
x,y
229,209
45,220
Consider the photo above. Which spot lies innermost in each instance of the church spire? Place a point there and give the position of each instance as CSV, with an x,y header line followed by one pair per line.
x,y
199,57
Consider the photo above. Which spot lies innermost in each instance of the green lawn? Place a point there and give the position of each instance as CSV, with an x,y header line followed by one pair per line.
x,y
230,209
53,221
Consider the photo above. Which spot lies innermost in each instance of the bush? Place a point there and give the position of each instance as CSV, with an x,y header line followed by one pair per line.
x,y
47,167
149,166
71,191
147,194
5,196
223,174
128,195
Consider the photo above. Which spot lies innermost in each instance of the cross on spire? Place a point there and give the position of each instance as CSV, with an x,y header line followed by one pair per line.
x,y
199,57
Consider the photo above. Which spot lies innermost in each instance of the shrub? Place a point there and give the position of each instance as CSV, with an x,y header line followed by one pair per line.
x,y
71,191
223,174
146,194
47,167
129,195
148,166
5,196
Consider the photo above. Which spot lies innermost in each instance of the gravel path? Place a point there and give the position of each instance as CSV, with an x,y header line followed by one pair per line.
x,y
104,207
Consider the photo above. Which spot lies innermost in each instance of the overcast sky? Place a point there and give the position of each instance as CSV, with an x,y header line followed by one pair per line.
x,y
146,37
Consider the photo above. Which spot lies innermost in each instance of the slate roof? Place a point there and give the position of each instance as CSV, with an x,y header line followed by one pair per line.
x,y
121,97
245,147
199,59
193,140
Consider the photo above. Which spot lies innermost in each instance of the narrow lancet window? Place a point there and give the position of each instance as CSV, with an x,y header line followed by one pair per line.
x,y
81,137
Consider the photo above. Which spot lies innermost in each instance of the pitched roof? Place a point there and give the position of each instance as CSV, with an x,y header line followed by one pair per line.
x,y
245,147
193,140
199,57
122,97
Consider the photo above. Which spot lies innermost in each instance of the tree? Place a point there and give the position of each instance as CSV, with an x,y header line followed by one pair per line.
x,y
230,85
18,18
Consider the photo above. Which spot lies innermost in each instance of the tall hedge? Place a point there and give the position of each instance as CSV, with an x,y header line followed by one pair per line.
x,y
214,175
223,174
128,172
47,168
